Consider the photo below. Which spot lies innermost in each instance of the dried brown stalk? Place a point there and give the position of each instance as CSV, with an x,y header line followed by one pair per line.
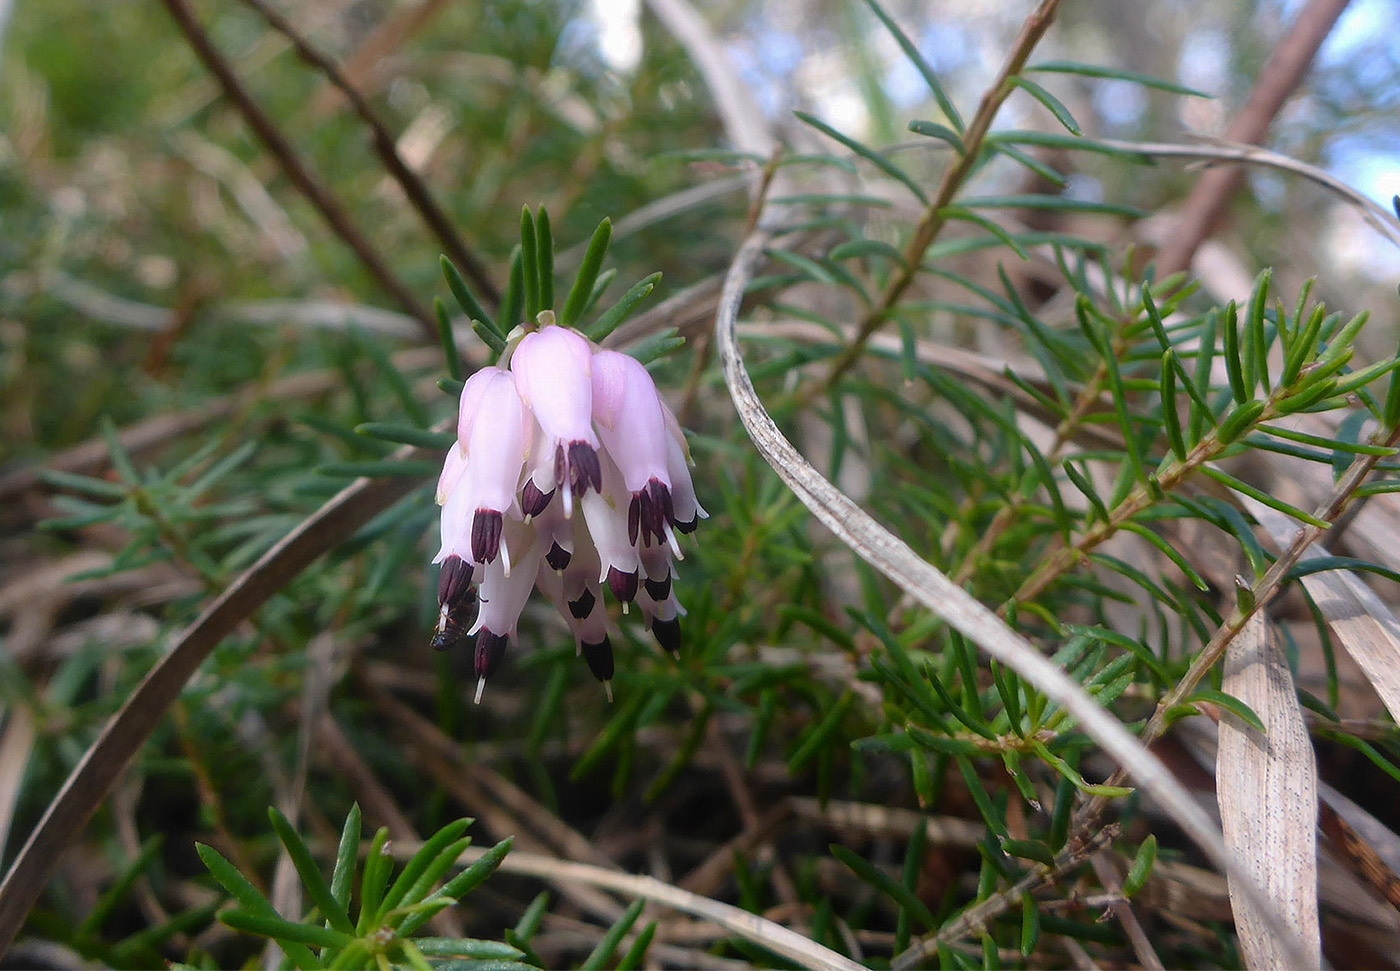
x,y
418,194
317,194
1280,77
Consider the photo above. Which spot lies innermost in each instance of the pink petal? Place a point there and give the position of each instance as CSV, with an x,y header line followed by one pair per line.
x,y
552,369
687,508
469,405
606,518
630,420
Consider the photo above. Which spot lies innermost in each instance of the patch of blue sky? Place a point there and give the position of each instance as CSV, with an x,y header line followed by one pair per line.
x,y
1363,23
1119,103
1366,42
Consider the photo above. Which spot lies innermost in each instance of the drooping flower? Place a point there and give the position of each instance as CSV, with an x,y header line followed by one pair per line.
x,y
561,424
633,428
553,373
480,479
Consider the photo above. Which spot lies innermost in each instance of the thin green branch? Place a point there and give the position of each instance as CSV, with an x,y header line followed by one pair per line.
x,y
935,217
1263,591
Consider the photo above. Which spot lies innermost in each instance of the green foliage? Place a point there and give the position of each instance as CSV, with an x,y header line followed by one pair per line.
x,y
389,915
1086,475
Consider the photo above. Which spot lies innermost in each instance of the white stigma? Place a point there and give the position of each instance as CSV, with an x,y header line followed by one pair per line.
x,y
480,687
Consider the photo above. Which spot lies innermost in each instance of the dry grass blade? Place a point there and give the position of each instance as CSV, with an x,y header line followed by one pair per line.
x,y
16,745
892,557
766,933
93,777
1361,620
1376,215
1266,783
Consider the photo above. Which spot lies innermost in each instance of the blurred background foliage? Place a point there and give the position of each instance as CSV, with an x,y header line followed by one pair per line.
x,y
159,272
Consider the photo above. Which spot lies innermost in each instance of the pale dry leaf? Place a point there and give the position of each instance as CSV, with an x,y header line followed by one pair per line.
x,y
1361,620
1266,783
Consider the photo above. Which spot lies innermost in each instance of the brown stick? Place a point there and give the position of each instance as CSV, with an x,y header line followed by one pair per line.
x,y
1282,74
413,187
294,168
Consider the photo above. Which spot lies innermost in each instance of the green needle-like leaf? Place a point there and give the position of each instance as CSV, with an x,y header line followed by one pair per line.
x,y
282,930
819,735
1266,498
373,878
529,265
867,153
1230,703
620,311
1257,363
343,876
311,878
544,255
1141,869
896,891
601,954
251,899
1234,363
1171,421
636,954
430,852
406,434
587,275
460,885
1116,74
967,215
449,341
1051,203
464,296
1057,108
513,301
945,104
941,132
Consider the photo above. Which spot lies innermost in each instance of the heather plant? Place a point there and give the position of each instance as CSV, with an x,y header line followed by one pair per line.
x,y
1039,615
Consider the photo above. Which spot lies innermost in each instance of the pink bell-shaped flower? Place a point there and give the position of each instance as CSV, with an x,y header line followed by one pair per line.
x,y
619,558
480,478
578,596
561,416
686,507
632,427
503,597
553,374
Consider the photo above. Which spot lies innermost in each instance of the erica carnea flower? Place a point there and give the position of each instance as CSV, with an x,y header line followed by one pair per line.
x,y
561,426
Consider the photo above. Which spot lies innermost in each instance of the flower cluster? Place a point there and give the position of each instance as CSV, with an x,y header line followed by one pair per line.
x,y
561,426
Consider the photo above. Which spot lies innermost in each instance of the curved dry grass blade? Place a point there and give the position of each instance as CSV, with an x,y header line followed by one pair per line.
x,y
1361,620
767,934
93,777
1266,783
16,746
1379,218
892,557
